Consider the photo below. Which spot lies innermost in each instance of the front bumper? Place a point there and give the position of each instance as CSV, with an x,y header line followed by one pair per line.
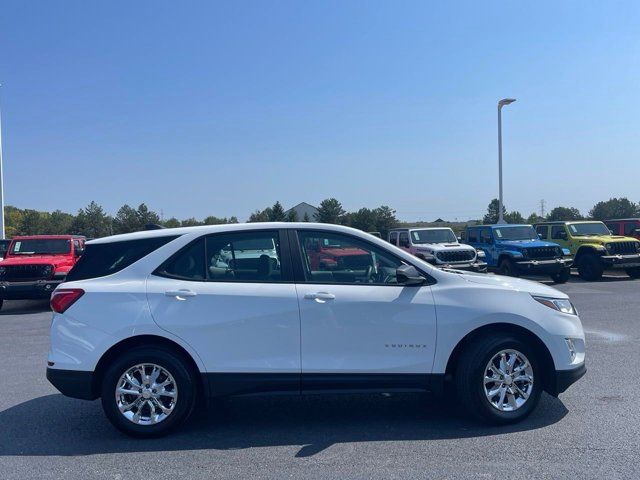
x,y
480,267
566,378
621,261
28,290
72,383
543,267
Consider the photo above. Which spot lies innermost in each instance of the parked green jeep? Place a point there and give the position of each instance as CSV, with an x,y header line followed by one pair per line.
x,y
593,247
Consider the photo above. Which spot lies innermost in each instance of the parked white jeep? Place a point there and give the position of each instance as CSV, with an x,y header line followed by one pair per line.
x,y
438,246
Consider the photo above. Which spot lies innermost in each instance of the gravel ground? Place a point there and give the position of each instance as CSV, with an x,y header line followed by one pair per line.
x,y
591,431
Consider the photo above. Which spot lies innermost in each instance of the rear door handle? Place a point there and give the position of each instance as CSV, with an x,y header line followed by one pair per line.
x,y
319,296
180,294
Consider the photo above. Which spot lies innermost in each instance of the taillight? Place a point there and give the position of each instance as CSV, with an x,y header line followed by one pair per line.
x,y
64,298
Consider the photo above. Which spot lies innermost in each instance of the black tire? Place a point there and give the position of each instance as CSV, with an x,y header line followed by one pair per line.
x,y
470,373
508,268
590,267
633,272
180,370
562,276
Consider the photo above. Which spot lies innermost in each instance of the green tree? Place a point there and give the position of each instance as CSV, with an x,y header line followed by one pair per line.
x,y
514,217
146,216
492,212
385,220
92,222
330,211
276,213
126,220
534,218
33,222
190,222
173,222
614,208
292,216
59,222
260,215
364,219
212,220
564,213
12,220
306,217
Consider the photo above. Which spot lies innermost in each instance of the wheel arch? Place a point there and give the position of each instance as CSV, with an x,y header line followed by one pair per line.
x,y
542,352
146,341
585,250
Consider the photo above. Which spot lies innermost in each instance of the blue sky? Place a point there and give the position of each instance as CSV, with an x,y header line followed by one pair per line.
x,y
219,108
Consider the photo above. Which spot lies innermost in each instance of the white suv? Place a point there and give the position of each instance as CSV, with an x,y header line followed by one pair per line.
x,y
438,246
152,321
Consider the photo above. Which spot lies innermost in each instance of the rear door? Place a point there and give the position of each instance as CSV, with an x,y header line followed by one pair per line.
x,y
231,297
360,329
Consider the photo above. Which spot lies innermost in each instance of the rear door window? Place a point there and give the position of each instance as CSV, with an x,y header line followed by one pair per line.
x,y
102,259
485,235
393,238
252,256
556,232
404,239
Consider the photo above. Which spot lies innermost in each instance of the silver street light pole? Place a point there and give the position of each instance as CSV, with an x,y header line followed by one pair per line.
x,y
501,103
1,184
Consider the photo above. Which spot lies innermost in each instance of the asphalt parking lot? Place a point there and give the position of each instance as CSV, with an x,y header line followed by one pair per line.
x,y
591,431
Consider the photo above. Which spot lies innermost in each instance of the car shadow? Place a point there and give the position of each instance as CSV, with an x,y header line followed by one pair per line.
x,y
60,426
24,307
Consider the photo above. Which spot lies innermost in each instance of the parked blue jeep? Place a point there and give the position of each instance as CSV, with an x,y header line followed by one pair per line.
x,y
517,250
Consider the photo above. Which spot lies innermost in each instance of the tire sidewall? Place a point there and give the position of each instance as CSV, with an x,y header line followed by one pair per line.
x,y
562,276
590,268
488,411
507,268
168,360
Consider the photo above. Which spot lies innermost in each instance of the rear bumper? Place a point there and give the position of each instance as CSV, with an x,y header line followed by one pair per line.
x,y
621,261
28,290
543,267
72,383
566,378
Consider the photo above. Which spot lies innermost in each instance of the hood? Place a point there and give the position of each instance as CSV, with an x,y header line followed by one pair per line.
x,y
35,260
441,247
343,252
603,239
526,243
511,283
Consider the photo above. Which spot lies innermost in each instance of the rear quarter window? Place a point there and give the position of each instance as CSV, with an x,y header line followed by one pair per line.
x,y
102,259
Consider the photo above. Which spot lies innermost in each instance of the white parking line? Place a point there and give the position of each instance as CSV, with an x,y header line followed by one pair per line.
x,y
608,336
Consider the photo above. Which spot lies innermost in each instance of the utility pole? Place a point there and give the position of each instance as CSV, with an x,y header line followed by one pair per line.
x,y
1,184
501,103
542,202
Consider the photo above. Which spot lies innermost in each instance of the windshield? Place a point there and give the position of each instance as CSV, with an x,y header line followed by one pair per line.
x,y
594,228
441,235
525,232
48,246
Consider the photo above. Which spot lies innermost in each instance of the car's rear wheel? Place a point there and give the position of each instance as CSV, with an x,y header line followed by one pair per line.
x,y
498,379
148,391
590,267
632,272
562,276
508,267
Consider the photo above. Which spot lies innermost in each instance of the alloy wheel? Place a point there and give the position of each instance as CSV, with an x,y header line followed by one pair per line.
x,y
508,380
146,394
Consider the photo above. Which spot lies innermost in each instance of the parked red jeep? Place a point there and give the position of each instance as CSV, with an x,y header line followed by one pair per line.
x,y
628,227
35,265
324,255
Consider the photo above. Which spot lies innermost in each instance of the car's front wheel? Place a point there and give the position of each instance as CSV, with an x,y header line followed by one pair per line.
x,y
562,276
590,267
148,391
507,267
498,379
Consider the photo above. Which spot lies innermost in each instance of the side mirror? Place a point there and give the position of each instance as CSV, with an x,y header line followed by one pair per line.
x,y
78,251
409,275
611,232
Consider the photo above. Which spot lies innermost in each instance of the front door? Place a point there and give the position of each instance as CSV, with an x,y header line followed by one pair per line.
x,y
231,297
360,329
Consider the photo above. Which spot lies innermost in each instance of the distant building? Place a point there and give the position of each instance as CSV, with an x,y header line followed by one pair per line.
x,y
439,220
304,208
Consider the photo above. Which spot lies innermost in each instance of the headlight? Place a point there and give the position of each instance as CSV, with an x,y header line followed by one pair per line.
x,y
561,305
608,247
637,246
481,253
47,270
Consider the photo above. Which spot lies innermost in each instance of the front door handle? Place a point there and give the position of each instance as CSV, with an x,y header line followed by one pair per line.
x,y
180,294
319,296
